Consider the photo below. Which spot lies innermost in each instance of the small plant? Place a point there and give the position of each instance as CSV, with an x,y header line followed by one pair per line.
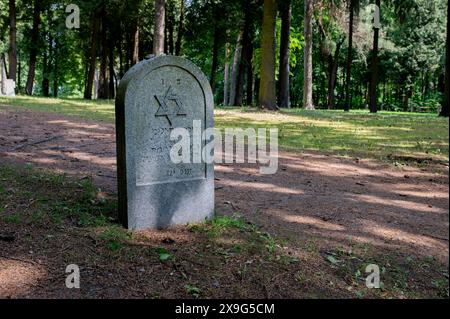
x,y
163,254
194,291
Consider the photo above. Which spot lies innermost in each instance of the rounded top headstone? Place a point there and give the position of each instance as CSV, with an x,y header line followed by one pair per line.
x,y
154,98
173,84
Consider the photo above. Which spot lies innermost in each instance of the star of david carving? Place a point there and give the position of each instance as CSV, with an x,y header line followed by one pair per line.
x,y
167,109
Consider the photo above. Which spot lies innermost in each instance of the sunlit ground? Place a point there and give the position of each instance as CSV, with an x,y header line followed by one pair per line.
x,y
389,136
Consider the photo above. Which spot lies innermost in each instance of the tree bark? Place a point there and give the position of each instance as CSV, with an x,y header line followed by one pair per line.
x,y
215,58
159,30
92,58
446,103
55,70
3,75
180,29
250,77
34,49
374,74
103,89
235,70
349,56
226,77
308,67
333,64
112,74
267,92
12,40
170,26
246,57
135,54
284,73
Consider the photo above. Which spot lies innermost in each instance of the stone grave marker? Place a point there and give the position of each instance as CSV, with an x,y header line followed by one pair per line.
x,y
155,97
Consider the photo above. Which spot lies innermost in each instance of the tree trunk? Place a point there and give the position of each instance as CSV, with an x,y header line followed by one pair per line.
x,y
170,27
135,54
158,37
180,29
349,56
267,92
308,68
92,58
250,78
446,103
45,73
3,75
103,78
333,64
19,76
34,49
235,70
226,77
55,71
12,40
284,94
215,58
374,74
246,57
112,74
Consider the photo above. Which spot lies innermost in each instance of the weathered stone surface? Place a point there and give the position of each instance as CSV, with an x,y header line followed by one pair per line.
x,y
155,97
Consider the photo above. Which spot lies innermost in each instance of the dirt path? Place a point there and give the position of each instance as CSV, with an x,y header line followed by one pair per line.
x,y
331,199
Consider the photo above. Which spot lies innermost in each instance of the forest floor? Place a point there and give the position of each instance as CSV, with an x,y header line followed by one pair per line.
x,y
352,190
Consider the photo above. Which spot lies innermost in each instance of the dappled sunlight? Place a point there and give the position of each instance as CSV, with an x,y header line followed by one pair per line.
x,y
305,220
17,277
396,234
261,186
372,199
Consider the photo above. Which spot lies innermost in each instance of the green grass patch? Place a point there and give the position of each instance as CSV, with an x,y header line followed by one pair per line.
x,y
38,198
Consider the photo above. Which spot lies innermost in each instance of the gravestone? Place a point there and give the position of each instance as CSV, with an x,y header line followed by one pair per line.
x,y
154,98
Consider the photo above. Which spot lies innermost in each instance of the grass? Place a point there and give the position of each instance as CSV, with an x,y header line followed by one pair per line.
x,y
395,137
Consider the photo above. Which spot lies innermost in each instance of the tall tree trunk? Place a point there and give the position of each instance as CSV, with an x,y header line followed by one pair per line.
x,y
349,55
246,57
284,94
180,29
19,76
3,75
47,61
374,74
170,27
250,77
34,49
92,58
308,67
135,54
226,77
12,40
333,64
215,58
112,74
103,78
235,70
120,51
55,70
158,37
45,74
446,103
267,92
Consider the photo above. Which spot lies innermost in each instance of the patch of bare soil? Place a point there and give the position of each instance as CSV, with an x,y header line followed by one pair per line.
x,y
333,214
